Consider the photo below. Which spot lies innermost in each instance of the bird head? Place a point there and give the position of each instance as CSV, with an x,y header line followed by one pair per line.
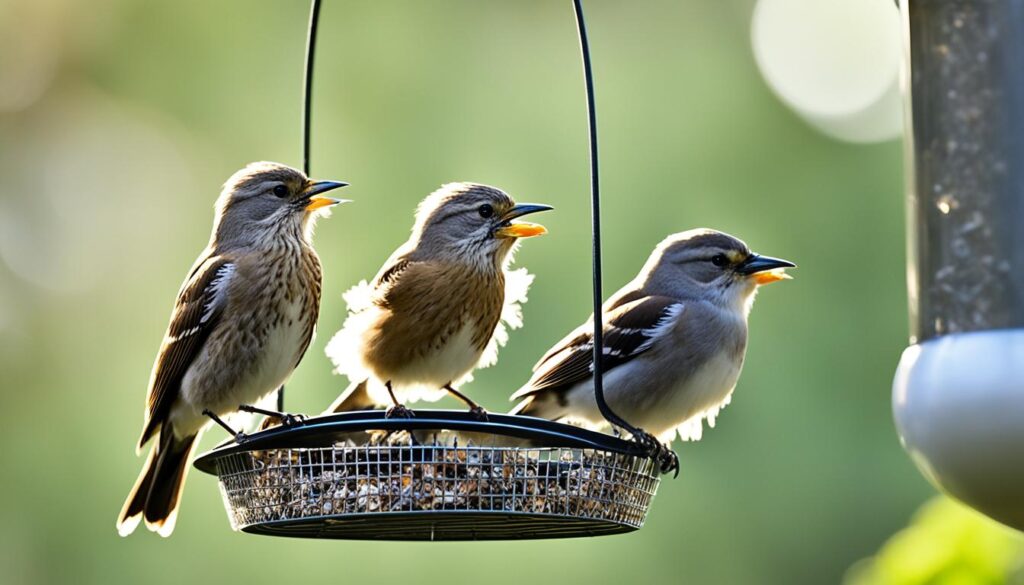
x,y
472,222
704,264
267,196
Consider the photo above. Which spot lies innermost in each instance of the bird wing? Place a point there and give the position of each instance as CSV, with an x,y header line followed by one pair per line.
x,y
630,329
312,310
391,271
583,333
200,304
388,278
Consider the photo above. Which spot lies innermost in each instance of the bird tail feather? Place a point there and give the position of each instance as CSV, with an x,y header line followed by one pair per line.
x,y
157,491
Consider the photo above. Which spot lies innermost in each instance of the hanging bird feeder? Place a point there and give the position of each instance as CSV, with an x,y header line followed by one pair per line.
x,y
518,478
441,475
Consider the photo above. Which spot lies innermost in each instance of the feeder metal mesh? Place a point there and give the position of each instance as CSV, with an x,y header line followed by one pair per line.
x,y
434,491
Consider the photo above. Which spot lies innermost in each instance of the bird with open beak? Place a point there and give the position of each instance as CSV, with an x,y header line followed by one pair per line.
x,y
435,310
242,321
674,341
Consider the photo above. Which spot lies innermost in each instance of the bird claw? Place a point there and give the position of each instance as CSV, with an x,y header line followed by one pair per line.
x,y
479,413
647,442
291,420
669,462
666,458
399,410
287,420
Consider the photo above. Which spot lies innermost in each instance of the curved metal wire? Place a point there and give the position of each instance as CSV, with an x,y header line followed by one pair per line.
x,y
307,107
307,82
595,218
595,194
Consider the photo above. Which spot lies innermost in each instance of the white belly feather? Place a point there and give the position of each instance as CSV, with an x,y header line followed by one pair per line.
x,y
698,398
661,409
278,357
269,368
424,378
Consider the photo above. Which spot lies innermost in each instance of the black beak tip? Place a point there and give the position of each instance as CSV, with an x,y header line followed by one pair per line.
x,y
317,187
757,263
787,264
522,209
533,207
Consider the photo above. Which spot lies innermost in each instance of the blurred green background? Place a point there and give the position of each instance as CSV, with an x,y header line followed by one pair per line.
x,y
119,120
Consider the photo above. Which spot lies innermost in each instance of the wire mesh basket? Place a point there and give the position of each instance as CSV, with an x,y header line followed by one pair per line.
x,y
442,475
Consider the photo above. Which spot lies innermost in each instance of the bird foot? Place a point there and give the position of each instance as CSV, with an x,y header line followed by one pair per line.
x,y
665,457
399,410
287,419
479,413
291,420
669,462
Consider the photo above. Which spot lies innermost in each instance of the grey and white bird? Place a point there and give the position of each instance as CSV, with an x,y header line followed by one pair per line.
x,y
435,310
242,322
674,341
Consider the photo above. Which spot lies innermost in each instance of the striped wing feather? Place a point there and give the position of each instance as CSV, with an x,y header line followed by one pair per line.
x,y
197,311
629,327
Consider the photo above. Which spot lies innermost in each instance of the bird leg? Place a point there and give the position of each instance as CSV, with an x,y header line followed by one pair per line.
x,y
478,411
397,408
240,437
666,458
288,420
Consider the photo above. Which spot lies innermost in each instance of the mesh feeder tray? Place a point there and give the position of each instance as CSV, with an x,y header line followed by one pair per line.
x,y
442,475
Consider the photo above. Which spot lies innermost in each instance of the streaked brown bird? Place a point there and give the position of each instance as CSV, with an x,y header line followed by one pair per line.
x,y
674,340
434,311
242,321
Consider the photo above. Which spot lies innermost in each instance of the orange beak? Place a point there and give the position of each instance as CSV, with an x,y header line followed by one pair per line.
x,y
316,200
771,276
764,269
521,229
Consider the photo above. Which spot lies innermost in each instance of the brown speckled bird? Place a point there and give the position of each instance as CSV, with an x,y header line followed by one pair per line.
x,y
433,313
242,321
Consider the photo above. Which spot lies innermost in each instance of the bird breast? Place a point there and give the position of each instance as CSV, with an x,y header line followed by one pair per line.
x,y
433,331
265,330
448,361
701,394
289,309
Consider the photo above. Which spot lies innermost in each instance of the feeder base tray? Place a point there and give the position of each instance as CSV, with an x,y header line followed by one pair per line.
x,y
442,475
440,526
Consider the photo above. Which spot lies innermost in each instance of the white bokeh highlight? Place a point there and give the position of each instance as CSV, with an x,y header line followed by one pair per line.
x,y
836,63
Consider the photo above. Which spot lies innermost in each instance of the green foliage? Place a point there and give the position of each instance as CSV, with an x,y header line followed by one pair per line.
x,y
946,544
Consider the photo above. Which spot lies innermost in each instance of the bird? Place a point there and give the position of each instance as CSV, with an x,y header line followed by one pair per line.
x,y
241,323
674,340
437,308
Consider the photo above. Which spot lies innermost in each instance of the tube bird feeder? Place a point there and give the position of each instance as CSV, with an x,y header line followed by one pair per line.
x,y
958,394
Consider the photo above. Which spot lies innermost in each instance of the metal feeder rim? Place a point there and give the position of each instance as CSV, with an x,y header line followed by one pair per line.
x,y
321,431
287,528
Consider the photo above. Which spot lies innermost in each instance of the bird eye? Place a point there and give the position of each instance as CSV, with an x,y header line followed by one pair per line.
x,y
486,210
281,191
719,260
